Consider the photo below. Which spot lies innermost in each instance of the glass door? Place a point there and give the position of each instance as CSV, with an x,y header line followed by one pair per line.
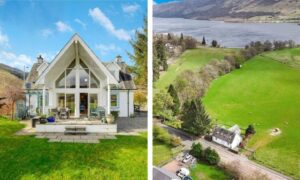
x,y
83,106
70,103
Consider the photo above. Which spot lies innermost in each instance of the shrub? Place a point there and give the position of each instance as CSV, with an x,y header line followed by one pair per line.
x,y
115,114
175,141
211,156
196,150
214,43
161,135
250,130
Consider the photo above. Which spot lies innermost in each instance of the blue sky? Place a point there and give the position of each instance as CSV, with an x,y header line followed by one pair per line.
x,y
30,28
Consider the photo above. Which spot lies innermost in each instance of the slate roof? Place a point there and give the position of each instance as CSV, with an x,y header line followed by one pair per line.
x,y
161,174
224,134
33,75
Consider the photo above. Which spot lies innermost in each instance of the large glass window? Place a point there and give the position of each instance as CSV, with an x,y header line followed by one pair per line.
x,y
94,81
61,100
113,100
86,78
93,102
60,82
70,78
70,103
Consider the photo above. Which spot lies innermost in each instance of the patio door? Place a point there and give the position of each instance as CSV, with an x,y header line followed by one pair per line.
x,y
83,106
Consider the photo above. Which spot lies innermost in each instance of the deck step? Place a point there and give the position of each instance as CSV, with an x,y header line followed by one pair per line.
x,y
75,130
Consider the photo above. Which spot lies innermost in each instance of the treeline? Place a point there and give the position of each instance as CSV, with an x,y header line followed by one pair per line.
x,y
168,46
183,98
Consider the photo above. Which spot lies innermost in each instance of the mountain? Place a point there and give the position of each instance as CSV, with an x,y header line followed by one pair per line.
x,y
15,71
231,10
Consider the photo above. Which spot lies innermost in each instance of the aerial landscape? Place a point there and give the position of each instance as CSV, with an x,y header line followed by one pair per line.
x,y
226,80
73,90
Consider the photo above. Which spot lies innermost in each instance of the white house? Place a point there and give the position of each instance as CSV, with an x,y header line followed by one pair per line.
x,y
76,79
229,138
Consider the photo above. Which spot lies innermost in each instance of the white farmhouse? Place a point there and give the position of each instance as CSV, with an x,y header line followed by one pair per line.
x,y
229,138
76,79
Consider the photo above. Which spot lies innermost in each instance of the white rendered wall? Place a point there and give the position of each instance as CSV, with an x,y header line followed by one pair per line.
x,y
105,128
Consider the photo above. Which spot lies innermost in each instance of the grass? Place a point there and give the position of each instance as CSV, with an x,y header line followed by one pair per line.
x,y
163,153
264,93
207,172
191,60
25,157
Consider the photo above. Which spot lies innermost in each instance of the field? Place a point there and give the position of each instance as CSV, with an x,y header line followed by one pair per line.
x,y
203,171
25,157
265,93
190,60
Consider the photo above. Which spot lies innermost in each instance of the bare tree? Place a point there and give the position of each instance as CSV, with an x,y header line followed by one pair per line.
x,y
13,94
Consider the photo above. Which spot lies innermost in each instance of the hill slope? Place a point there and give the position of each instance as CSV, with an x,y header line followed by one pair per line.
x,y
15,71
231,10
190,60
265,93
6,78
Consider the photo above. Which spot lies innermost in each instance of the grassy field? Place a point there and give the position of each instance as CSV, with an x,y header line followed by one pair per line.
x,y
25,157
190,60
265,93
203,171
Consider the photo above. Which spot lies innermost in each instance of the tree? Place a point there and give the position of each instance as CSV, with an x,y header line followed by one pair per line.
x,y
176,102
190,43
211,156
155,65
162,104
13,94
194,117
160,51
139,57
162,135
196,150
181,39
250,130
214,43
203,41
169,36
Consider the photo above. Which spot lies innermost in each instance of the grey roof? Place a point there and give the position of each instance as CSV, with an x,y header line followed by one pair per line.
x,y
223,134
33,76
162,174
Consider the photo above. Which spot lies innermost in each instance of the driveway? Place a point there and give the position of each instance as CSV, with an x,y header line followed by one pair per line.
x,y
132,125
246,166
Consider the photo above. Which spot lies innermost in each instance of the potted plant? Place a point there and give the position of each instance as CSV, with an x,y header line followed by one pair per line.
x,y
43,119
51,118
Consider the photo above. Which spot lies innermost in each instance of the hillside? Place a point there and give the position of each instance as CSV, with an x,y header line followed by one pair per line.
x,y
6,79
231,10
265,93
15,71
190,60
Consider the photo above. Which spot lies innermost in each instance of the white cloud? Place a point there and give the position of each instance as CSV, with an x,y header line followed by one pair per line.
x,y
106,48
4,40
63,27
46,32
14,60
132,8
80,22
99,17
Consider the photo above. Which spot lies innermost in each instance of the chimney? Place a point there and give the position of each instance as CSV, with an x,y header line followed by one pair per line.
x,y
40,59
119,59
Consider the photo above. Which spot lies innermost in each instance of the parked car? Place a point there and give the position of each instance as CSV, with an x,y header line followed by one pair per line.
x,y
187,158
182,172
187,178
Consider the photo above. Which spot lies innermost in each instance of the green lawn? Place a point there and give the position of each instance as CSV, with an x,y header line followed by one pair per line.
x,y
161,153
191,60
206,172
25,157
265,93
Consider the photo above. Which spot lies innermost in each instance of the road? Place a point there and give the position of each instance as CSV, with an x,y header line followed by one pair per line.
x,y
246,166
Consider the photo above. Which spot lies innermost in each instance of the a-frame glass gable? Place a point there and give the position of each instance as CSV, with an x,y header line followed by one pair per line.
x,y
86,78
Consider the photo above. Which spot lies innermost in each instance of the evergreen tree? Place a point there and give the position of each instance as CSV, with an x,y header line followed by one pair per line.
x,y
214,43
203,41
155,65
169,36
139,57
194,117
181,39
176,102
161,53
